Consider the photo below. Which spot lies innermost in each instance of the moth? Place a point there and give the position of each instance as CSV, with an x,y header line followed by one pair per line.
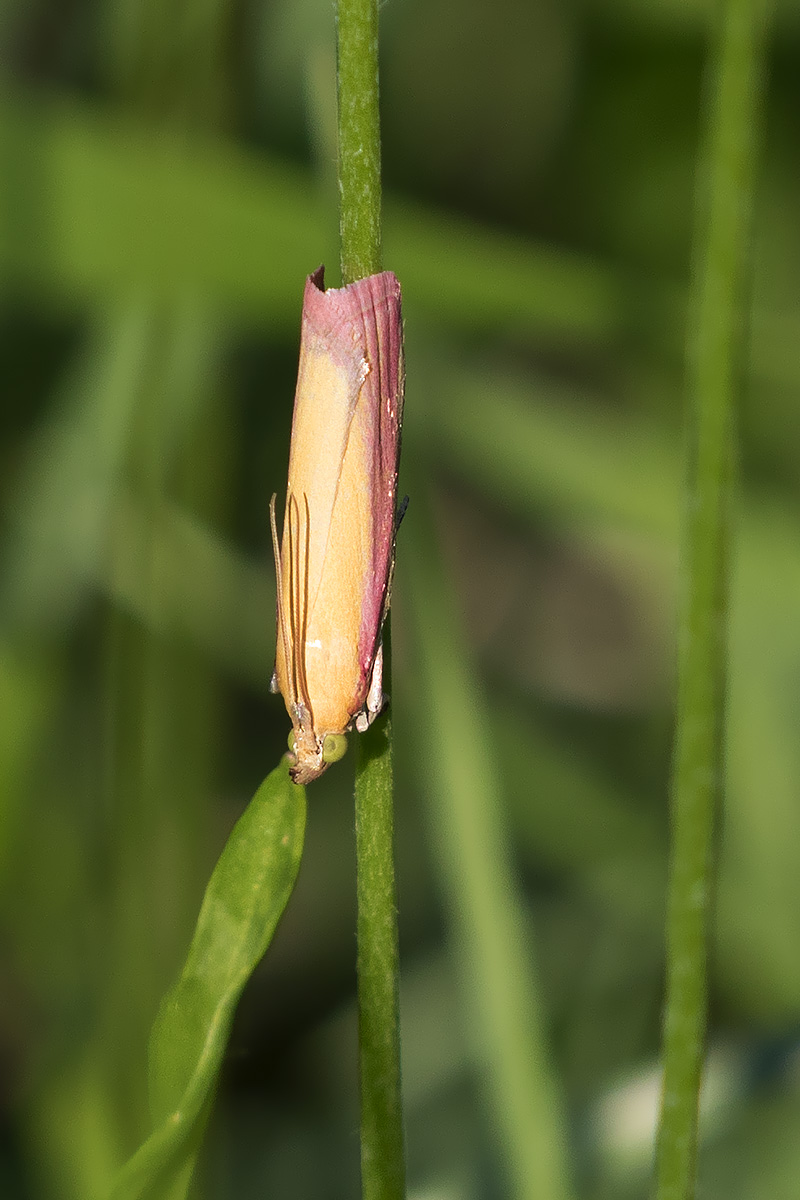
x,y
335,560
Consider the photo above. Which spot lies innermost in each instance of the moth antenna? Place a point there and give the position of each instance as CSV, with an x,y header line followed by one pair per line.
x,y
301,658
290,524
276,551
298,600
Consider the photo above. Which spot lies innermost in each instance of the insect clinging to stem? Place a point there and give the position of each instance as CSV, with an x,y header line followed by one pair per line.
x,y
335,560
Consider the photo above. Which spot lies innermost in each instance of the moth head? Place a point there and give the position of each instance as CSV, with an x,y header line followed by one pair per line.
x,y
311,755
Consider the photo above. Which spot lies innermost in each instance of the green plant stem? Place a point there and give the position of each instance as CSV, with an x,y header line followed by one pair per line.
x,y
382,1158
715,345
359,138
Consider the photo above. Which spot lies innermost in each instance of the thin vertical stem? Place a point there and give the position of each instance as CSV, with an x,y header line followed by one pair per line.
x,y
382,1158
715,341
382,1153
359,138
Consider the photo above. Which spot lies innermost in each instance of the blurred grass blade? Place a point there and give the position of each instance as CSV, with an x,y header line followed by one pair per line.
x,y
454,754
225,617
116,206
715,339
28,685
142,373
59,521
108,205
539,445
247,893
605,472
578,825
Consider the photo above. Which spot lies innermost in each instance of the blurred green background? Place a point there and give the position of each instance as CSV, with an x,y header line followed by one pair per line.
x,y
167,180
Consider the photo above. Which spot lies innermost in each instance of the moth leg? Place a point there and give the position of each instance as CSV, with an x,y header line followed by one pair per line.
x,y
401,512
375,697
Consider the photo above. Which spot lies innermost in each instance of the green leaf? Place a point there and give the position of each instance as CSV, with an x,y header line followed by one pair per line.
x,y
247,893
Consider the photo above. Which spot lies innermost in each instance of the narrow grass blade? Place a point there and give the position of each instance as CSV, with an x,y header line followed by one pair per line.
x,y
455,760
